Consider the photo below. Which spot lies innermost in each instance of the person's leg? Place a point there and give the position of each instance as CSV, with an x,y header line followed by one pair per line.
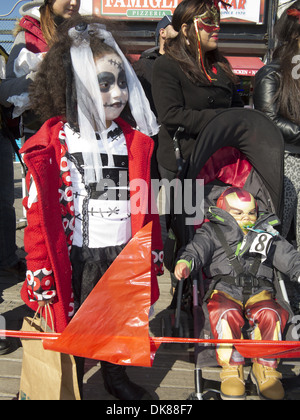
x,y
118,384
226,320
89,265
80,361
167,177
9,262
268,320
297,209
289,193
8,257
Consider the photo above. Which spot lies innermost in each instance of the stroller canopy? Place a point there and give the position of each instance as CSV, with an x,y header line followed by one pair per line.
x,y
262,149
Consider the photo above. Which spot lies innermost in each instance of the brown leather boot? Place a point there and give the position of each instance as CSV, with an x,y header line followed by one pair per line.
x,y
267,381
232,383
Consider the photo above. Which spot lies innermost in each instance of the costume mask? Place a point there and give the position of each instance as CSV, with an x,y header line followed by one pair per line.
x,y
241,205
210,22
113,85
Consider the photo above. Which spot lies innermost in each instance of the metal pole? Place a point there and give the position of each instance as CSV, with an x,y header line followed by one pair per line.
x,y
272,16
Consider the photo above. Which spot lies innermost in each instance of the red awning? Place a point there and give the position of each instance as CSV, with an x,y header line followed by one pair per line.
x,y
245,66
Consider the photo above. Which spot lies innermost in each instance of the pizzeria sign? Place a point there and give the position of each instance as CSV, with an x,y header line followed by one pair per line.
x,y
241,11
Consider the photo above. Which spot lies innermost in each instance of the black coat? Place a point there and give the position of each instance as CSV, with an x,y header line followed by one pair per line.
x,y
267,81
144,68
181,103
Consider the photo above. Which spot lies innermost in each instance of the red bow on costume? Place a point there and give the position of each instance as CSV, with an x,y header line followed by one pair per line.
x,y
295,13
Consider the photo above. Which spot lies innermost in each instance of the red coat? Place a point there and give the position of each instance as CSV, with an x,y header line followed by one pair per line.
x,y
46,242
34,38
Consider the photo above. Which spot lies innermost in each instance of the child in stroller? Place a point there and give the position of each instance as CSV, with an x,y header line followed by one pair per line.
x,y
238,250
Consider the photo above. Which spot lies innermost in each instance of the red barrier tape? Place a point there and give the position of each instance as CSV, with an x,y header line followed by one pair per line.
x,y
247,348
284,345
28,335
126,341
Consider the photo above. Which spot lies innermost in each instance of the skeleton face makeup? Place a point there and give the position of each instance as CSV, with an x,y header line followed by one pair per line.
x,y
101,92
113,85
241,205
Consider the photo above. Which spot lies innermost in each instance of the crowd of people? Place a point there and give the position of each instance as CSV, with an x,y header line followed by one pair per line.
x,y
84,125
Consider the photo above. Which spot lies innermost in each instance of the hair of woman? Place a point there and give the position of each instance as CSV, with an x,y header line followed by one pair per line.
x,y
187,54
287,32
49,23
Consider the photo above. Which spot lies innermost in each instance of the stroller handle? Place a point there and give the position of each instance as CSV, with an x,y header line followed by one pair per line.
x,y
176,146
178,308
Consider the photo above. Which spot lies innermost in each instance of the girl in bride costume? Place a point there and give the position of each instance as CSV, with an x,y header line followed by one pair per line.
x,y
81,210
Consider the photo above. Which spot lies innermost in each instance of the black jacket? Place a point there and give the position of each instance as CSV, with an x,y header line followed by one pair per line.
x,y
144,68
267,82
181,103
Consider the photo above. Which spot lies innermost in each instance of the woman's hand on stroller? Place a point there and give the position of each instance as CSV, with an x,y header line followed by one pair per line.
x,y
182,271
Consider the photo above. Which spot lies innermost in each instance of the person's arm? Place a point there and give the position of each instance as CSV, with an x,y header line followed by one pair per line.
x,y
286,258
39,277
169,101
196,254
13,85
266,85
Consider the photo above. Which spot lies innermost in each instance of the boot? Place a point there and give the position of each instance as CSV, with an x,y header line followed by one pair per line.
x,y
232,383
19,269
117,383
4,346
267,381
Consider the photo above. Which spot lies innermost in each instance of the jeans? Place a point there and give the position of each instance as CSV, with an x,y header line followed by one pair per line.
x,y
8,247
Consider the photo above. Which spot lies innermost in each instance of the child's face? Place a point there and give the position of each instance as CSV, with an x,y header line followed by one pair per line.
x,y
244,212
113,85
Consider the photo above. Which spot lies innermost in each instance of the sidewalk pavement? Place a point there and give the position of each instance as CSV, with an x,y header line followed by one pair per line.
x,y
170,379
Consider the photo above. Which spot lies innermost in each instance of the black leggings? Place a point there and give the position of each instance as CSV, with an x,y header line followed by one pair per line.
x,y
89,265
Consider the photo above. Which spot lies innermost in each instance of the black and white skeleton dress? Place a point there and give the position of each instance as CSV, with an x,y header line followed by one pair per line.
x,y
102,210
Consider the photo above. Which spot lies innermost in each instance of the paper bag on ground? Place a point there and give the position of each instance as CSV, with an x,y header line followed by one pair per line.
x,y
46,375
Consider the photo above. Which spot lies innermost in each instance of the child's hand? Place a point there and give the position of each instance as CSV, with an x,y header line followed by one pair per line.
x,y
43,303
181,271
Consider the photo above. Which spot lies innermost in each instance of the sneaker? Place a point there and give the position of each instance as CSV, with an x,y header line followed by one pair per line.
x,y
232,383
267,381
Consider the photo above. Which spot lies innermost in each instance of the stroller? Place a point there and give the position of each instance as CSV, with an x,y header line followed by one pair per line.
x,y
240,148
